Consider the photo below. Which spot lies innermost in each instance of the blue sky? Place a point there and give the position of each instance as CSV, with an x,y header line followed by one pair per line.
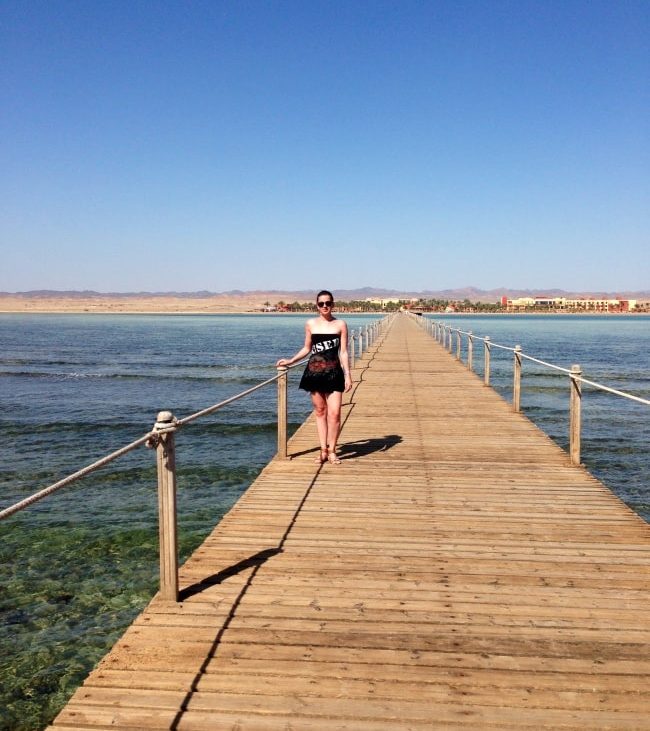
x,y
294,145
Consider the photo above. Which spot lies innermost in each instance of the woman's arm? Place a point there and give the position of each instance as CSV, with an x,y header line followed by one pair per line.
x,y
305,350
343,356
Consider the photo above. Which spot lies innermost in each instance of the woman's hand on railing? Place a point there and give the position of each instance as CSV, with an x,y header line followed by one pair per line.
x,y
290,362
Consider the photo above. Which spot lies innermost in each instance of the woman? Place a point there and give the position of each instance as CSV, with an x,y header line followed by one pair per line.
x,y
327,374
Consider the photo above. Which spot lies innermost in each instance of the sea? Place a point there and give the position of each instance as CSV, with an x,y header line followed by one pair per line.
x,y
77,567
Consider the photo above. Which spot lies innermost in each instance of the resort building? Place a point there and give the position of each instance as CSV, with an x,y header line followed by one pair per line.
x,y
387,301
585,304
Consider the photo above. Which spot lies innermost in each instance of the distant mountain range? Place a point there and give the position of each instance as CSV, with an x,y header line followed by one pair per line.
x,y
473,294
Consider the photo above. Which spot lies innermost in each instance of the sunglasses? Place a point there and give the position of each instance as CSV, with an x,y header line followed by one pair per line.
x,y
327,303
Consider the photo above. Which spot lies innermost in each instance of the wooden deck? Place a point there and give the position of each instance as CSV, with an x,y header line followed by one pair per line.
x,y
454,572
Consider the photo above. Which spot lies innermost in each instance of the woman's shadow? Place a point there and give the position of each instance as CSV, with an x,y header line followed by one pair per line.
x,y
363,447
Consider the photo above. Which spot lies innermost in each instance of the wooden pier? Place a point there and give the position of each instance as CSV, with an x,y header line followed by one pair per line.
x,y
453,572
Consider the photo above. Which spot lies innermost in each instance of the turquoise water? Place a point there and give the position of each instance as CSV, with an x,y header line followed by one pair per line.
x,y
77,567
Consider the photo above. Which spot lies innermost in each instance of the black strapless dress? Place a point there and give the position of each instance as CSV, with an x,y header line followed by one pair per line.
x,y
323,372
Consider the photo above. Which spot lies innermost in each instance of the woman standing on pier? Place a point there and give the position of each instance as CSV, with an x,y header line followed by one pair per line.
x,y
327,374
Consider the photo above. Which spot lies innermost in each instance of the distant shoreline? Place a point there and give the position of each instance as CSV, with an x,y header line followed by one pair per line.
x,y
221,304
180,313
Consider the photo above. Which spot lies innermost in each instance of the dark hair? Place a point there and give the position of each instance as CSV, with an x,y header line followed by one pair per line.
x,y
325,291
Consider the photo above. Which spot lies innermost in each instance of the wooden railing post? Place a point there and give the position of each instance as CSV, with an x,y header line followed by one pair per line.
x,y
282,412
470,351
451,339
486,377
167,529
351,349
457,344
516,388
360,342
575,414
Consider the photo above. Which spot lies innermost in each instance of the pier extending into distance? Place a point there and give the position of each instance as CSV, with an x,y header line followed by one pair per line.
x,y
455,571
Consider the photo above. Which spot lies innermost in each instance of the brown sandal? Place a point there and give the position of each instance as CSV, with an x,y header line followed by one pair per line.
x,y
333,459
322,457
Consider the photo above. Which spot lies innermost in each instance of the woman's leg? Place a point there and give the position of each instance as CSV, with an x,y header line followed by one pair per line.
x,y
334,400
320,411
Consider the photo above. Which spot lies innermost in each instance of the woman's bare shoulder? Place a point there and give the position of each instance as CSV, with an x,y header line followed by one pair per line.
x,y
309,325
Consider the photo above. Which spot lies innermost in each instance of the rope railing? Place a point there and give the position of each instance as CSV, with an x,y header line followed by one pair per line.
x,y
531,358
608,389
161,437
146,440
211,409
552,366
444,333
26,502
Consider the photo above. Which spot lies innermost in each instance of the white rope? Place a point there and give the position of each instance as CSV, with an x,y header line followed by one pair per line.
x,y
76,476
221,404
613,390
503,347
548,365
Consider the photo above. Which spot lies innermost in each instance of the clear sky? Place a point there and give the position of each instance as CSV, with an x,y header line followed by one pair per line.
x,y
283,144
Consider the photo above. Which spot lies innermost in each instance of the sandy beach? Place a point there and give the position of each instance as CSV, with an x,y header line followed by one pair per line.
x,y
145,303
